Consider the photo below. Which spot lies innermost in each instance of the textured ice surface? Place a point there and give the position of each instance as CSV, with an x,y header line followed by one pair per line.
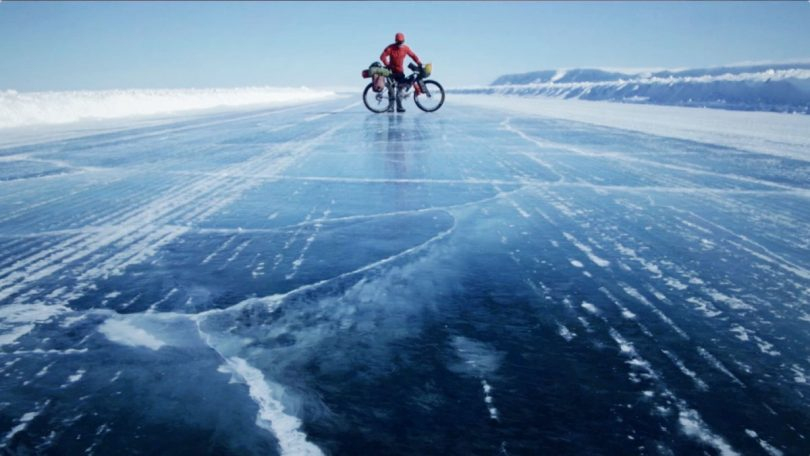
x,y
481,280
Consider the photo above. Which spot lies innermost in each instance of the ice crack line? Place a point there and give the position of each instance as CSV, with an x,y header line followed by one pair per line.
x,y
544,144
144,225
296,265
137,235
272,415
276,299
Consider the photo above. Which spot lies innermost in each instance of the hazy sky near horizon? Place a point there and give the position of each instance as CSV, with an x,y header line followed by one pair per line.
x,y
107,45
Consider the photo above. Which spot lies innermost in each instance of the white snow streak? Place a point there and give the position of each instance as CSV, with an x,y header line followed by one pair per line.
x,y
689,419
770,449
272,415
693,426
23,423
714,362
601,262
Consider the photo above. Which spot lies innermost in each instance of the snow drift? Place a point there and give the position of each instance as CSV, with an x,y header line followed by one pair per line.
x,y
31,108
771,87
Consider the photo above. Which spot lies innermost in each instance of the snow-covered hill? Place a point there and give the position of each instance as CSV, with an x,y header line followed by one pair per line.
x,y
781,87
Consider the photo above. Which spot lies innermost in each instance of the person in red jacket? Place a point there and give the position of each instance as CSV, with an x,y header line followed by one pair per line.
x,y
393,57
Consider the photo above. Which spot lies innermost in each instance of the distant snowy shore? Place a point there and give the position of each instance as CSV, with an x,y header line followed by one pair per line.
x,y
764,87
769,133
22,109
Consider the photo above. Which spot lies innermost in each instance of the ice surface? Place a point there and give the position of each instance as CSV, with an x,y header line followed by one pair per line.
x,y
317,278
770,133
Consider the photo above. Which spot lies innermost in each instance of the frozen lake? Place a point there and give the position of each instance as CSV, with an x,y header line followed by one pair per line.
x,y
320,279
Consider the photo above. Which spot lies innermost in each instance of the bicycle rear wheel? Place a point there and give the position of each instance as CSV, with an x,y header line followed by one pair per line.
x,y
432,96
376,101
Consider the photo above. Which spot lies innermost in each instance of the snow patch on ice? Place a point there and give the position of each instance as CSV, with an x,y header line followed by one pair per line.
x,y
565,333
601,262
643,300
691,423
77,376
704,307
11,336
675,283
23,423
770,449
123,333
717,364
29,313
694,426
631,254
799,376
733,302
699,383
477,358
590,308
740,332
766,347
17,320
493,412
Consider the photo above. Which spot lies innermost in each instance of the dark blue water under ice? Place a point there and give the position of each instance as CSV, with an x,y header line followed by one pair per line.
x,y
320,279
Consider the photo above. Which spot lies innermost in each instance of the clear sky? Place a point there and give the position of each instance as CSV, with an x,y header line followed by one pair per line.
x,y
95,45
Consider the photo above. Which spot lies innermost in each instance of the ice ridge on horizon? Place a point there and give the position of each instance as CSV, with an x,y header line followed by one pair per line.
x,y
781,87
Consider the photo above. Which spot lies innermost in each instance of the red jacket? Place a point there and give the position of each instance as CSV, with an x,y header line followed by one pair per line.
x,y
396,54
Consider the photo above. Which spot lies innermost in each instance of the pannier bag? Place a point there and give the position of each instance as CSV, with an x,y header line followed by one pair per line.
x,y
378,74
378,82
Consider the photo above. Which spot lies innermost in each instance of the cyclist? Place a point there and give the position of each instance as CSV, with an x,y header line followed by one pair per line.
x,y
393,57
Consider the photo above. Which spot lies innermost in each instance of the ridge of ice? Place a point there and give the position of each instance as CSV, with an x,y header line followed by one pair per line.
x,y
783,87
272,415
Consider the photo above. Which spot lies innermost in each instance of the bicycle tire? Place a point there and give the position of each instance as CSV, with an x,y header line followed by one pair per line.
x,y
372,99
432,90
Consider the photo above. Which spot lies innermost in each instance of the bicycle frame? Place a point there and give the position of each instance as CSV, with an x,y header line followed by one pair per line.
x,y
412,80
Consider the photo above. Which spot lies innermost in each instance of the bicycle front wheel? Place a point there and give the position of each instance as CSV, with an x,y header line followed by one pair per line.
x,y
376,101
432,96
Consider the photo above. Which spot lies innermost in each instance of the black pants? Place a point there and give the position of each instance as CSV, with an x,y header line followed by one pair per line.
x,y
401,82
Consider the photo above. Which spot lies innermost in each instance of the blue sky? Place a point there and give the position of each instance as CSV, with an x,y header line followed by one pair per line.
x,y
65,46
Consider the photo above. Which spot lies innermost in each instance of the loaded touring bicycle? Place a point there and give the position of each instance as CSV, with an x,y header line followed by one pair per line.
x,y
379,95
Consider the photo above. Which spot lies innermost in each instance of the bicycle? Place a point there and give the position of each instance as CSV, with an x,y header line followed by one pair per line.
x,y
427,93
